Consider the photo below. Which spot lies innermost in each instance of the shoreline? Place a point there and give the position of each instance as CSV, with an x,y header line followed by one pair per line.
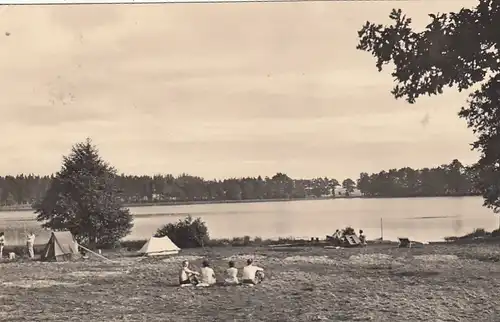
x,y
247,241
180,203
209,202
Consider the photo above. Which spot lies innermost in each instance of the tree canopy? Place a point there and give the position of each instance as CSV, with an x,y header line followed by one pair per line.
x,y
456,49
349,185
136,189
452,179
83,197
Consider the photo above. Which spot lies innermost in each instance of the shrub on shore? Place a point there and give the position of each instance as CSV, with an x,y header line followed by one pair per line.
x,y
133,245
348,231
476,234
186,233
245,241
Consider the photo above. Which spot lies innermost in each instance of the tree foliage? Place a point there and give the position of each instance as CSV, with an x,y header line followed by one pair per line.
x,y
456,49
453,179
83,198
349,185
186,233
27,189
348,231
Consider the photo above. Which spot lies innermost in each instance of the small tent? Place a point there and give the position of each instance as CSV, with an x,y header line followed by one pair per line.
x,y
61,247
158,246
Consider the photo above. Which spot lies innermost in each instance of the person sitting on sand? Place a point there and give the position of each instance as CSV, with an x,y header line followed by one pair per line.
x,y
252,274
362,237
231,275
207,275
2,244
187,276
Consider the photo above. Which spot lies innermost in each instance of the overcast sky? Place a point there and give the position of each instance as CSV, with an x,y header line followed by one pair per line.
x,y
216,90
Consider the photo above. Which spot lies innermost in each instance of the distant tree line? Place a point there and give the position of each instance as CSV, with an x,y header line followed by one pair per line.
x,y
453,179
26,189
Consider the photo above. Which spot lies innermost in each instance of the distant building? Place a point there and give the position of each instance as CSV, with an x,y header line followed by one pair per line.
x,y
339,191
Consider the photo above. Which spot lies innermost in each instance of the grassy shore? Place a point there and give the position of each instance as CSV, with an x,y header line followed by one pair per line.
x,y
15,234
135,245
378,283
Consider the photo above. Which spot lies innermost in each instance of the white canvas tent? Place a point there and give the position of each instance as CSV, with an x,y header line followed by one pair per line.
x,y
158,246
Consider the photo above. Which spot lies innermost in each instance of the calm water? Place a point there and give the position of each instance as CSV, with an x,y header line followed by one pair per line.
x,y
424,219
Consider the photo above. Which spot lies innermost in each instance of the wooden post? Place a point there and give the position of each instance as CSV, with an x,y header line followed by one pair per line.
x,y
381,229
25,237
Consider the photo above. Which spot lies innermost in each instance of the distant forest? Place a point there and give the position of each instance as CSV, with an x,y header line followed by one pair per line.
x,y
452,179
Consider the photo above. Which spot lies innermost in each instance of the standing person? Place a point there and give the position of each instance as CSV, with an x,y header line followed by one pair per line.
x,y
231,275
207,275
362,237
186,275
2,244
252,274
30,242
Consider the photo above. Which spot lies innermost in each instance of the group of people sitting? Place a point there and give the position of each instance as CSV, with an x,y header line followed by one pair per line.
x,y
338,236
251,275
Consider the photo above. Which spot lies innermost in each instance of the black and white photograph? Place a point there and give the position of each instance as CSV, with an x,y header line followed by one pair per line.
x,y
250,161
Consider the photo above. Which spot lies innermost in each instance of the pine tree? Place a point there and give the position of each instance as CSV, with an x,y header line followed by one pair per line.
x,y
84,199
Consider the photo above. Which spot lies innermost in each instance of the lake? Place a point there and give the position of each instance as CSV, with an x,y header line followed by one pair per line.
x,y
423,219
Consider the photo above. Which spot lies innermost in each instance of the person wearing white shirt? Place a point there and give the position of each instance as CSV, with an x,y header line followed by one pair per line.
x,y
207,275
252,274
30,242
231,275
362,237
2,244
186,274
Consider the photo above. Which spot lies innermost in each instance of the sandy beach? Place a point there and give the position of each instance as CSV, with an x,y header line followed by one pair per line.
x,y
377,283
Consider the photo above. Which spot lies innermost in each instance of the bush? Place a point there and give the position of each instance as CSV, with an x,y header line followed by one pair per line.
x,y
237,242
348,231
219,242
132,245
186,233
450,239
247,240
476,233
241,241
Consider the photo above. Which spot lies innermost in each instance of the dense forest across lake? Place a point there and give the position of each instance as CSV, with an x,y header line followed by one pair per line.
x,y
452,179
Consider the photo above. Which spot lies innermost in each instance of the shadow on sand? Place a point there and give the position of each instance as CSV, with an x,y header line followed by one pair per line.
x,y
217,284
